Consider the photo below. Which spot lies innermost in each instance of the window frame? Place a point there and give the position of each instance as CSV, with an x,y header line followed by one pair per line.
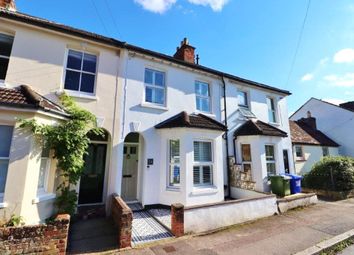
x,y
201,164
302,157
271,161
247,105
2,81
7,158
246,162
170,164
209,97
273,111
44,189
79,92
153,86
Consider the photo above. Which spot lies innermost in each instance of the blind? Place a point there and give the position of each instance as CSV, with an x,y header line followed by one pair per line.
x,y
196,175
5,140
207,175
202,152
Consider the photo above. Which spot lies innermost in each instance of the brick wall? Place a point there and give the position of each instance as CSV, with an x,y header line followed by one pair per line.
x,y
177,220
48,238
123,218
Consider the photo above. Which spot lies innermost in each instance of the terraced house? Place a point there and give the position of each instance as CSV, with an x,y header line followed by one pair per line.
x,y
172,125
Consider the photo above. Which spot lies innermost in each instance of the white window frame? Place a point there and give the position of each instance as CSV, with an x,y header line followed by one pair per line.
x,y
302,158
2,82
274,111
247,100
272,161
79,92
323,151
44,189
201,164
153,86
7,158
171,165
203,97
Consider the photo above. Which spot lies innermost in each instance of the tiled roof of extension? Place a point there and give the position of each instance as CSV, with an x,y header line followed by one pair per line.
x,y
186,120
28,19
257,127
348,105
24,97
301,133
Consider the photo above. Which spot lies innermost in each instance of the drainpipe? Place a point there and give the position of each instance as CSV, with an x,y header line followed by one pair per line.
x,y
226,140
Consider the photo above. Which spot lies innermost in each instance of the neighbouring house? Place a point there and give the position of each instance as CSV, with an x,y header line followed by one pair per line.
x,y
334,121
309,144
171,124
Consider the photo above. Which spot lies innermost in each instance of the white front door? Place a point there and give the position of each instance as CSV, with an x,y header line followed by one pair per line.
x,y
130,172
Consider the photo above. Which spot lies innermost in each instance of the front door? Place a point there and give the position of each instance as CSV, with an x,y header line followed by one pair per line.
x,y
92,179
286,161
130,172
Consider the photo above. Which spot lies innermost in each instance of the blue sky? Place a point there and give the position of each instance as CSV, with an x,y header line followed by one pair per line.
x,y
254,39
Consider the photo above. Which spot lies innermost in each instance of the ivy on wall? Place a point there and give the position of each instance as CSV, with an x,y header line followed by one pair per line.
x,y
69,143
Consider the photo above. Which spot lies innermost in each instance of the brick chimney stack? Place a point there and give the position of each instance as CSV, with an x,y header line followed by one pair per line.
x,y
8,5
185,52
310,121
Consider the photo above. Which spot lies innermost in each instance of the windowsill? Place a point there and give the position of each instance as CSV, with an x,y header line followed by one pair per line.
x,y
300,160
3,205
154,106
78,94
173,189
43,197
274,123
208,114
206,190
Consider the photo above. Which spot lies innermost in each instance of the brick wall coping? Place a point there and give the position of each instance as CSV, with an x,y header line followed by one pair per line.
x,y
122,204
295,197
229,202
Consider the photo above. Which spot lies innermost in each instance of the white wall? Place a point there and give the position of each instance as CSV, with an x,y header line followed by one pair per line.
x,y
333,121
239,193
205,218
312,154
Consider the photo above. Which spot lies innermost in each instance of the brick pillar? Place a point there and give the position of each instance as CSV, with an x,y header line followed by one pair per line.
x,y
62,222
177,219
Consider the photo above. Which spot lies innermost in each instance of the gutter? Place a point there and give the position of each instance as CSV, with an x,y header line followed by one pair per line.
x,y
226,140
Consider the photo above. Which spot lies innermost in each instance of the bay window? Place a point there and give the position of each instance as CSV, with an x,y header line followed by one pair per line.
x,y
203,164
270,159
6,42
80,74
202,92
154,87
174,173
5,145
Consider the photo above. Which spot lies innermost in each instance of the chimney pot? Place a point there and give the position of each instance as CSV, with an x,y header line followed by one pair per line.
x,y
8,5
185,52
309,114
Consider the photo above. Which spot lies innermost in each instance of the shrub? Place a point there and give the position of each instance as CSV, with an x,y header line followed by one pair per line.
x,y
331,173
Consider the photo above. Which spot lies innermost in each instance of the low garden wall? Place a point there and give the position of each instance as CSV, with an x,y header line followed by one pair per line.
x,y
297,200
239,193
123,218
336,195
198,219
48,238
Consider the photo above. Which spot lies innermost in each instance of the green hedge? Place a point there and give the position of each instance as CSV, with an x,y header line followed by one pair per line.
x,y
342,169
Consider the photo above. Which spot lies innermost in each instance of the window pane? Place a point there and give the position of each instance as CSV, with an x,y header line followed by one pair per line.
x,y
325,151
298,150
45,152
159,97
5,140
203,104
269,152
148,94
196,175
242,98
159,79
72,80
202,88
87,83
148,76
90,63
174,175
246,152
271,116
4,63
6,42
4,164
270,103
174,152
202,152
42,172
271,169
74,60
207,175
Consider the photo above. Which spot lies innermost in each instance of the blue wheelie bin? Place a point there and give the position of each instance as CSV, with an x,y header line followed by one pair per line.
x,y
295,183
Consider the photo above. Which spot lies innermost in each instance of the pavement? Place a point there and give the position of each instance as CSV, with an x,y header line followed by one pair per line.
x,y
347,251
284,234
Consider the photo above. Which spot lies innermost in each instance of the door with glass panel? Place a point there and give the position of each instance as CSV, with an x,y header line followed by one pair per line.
x,y
130,172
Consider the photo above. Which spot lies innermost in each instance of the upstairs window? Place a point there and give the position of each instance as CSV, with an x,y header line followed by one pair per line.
x,y
6,43
242,98
80,75
154,87
270,159
202,92
325,151
5,145
44,171
203,166
174,175
271,110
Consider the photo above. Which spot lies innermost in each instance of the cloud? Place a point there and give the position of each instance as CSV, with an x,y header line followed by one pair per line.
x,y
346,80
157,6
344,56
161,6
216,5
335,101
307,77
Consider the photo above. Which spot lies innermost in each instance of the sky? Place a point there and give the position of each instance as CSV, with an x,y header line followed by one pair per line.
x,y
253,39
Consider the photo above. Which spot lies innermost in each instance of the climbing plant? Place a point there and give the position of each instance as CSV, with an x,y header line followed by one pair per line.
x,y
69,142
